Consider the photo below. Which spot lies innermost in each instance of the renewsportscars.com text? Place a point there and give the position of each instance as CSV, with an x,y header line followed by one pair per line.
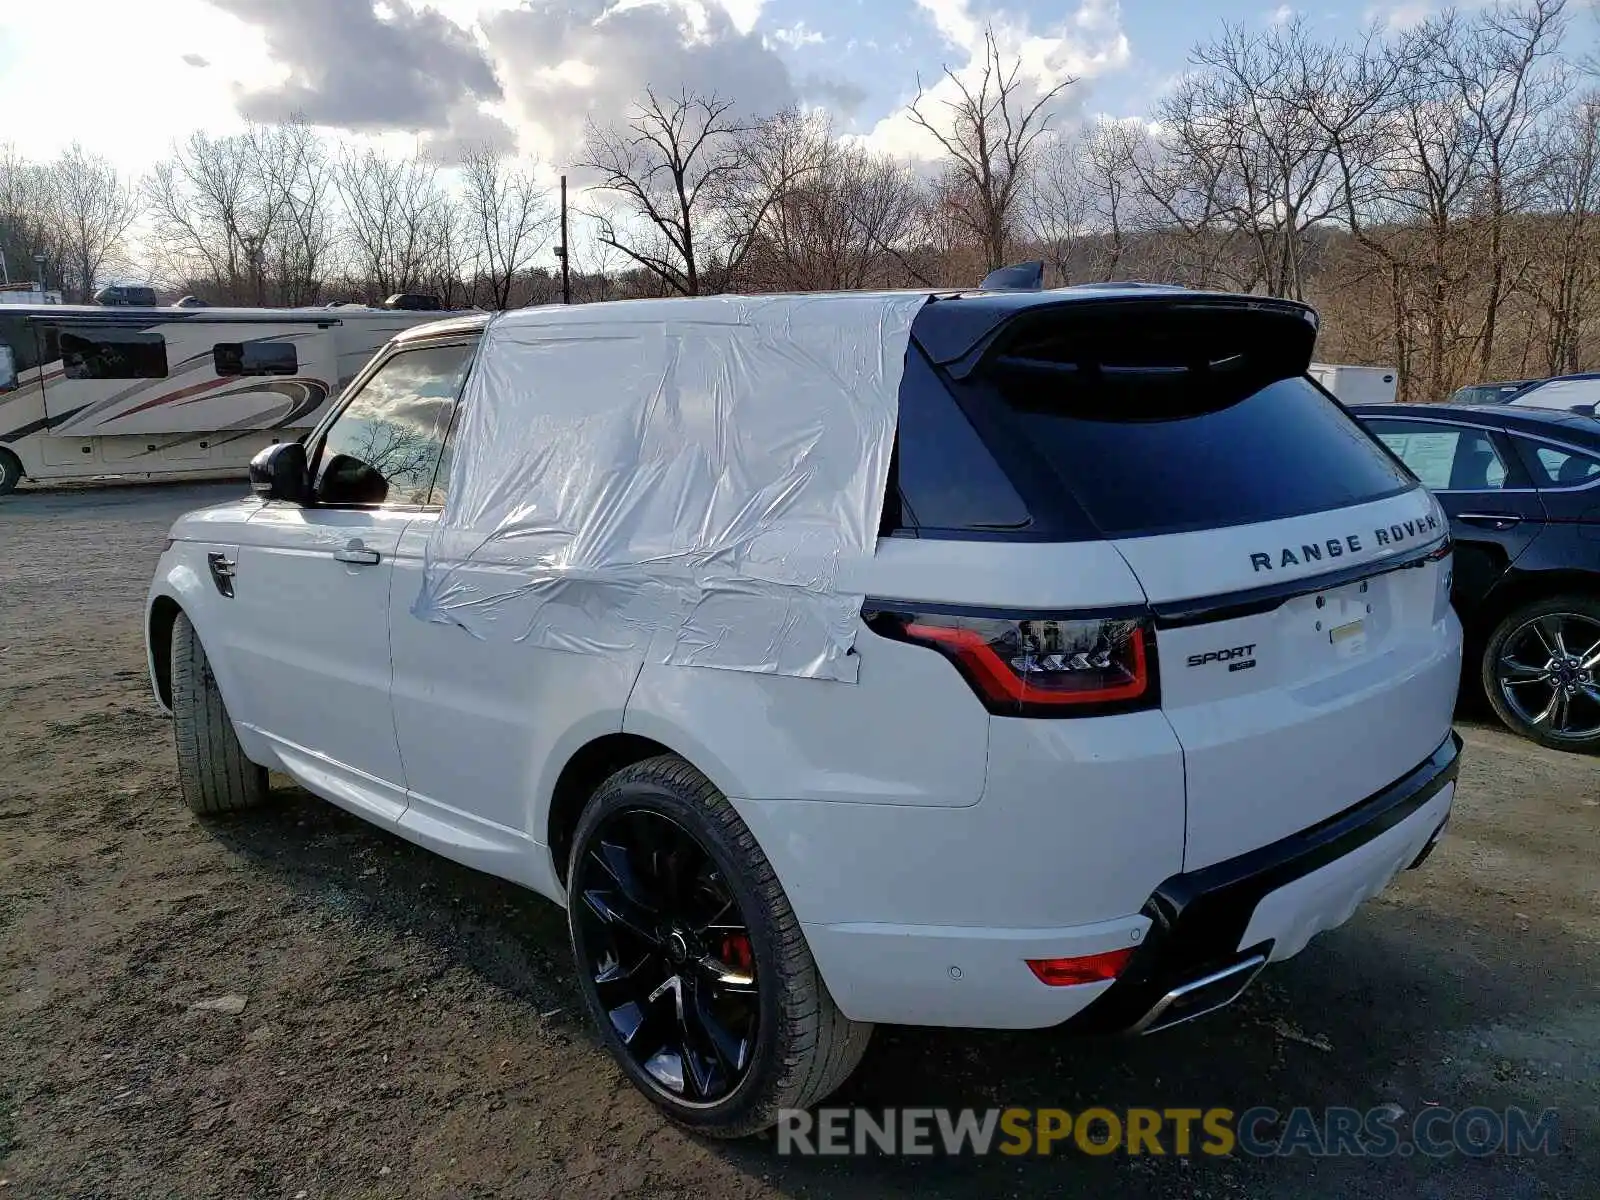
x,y
1260,1132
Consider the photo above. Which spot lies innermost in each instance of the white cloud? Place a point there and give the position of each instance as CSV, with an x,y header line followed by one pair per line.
x,y
1281,15
563,62
1087,43
743,13
1401,16
798,35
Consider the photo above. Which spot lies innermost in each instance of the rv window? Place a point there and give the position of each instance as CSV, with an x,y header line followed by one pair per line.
x,y
17,337
111,353
8,369
255,358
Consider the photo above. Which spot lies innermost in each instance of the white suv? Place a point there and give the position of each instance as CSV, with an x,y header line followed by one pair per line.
x,y
990,659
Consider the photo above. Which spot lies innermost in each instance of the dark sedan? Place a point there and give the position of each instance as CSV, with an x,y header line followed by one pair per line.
x,y
1522,487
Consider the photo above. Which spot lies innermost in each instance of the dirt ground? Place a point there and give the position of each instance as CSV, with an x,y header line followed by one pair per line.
x,y
411,1028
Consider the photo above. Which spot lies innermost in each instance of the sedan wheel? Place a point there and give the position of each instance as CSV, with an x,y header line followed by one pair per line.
x,y
1542,672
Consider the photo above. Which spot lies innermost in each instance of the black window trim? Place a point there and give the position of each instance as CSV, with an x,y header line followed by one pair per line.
x,y
316,437
1518,437
1502,441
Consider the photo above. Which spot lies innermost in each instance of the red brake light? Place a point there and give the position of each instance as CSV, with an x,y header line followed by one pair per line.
x,y
1038,666
1090,968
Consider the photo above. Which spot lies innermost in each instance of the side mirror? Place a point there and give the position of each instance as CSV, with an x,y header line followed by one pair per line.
x,y
279,473
1584,410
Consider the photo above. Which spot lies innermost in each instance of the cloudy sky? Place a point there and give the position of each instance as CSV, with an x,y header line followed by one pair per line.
x,y
126,77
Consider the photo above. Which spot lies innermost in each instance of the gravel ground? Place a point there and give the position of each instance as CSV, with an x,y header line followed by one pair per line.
x,y
410,1028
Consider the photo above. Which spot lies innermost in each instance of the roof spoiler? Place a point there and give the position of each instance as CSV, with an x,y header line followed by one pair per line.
x,y
1023,277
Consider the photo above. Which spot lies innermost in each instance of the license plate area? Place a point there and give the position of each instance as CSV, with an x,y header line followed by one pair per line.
x,y
1338,624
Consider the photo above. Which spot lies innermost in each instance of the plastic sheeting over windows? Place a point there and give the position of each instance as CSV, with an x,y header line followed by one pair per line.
x,y
676,478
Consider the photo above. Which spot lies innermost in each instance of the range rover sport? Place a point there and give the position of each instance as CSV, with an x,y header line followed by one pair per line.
x,y
1156,666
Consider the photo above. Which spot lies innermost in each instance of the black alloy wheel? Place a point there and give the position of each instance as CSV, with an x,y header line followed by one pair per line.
x,y
1542,669
691,960
666,949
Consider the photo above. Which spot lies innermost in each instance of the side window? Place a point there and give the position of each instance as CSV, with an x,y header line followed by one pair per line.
x,y
1445,458
947,477
255,358
112,353
17,353
384,448
1555,467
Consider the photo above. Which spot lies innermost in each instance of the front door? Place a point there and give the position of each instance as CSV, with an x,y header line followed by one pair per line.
x,y
314,581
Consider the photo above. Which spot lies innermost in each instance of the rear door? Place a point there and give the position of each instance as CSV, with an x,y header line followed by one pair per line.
x,y
1494,512
1297,576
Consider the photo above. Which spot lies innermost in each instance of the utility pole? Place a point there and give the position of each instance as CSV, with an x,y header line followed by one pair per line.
x,y
561,250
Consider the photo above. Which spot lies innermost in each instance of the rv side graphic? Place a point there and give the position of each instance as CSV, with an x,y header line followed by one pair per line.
x,y
165,392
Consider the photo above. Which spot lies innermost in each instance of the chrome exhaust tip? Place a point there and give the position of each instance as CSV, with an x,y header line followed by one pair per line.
x,y
1200,996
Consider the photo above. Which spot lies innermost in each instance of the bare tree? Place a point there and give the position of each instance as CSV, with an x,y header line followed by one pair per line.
x,y
1058,204
510,217
24,211
1502,85
91,208
806,211
249,214
398,221
1564,280
989,142
293,168
665,165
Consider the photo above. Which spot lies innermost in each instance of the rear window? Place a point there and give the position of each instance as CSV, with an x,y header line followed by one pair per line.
x,y
1166,425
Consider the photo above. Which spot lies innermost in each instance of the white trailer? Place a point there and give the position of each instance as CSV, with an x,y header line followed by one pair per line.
x,y
1357,385
87,392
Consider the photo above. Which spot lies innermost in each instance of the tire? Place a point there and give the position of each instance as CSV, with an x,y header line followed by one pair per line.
x,y
213,773
10,471
798,1047
1541,672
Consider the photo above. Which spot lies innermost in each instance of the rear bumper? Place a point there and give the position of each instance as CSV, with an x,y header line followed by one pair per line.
x,y
1211,930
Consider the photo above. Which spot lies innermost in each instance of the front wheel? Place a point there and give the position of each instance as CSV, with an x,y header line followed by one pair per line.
x,y
1541,672
214,776
691,962
10,471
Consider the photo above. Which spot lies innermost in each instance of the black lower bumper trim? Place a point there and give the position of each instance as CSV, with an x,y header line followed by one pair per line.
x,y
1198,918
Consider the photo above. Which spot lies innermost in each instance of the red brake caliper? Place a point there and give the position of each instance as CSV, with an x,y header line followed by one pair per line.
x,y
736,952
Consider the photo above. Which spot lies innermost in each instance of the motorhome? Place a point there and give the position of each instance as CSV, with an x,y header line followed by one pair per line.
x,y
90,391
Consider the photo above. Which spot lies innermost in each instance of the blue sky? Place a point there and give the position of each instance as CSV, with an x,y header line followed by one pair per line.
x,y
881,44
138,74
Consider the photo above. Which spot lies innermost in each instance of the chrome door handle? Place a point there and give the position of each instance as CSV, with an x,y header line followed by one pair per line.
x,y
357,554
1493,520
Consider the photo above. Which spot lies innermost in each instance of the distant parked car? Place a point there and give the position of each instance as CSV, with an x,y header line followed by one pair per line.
x,y
1490,393
1564,393
1522,489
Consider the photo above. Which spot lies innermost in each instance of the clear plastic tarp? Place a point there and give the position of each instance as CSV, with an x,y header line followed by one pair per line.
x,y
677,478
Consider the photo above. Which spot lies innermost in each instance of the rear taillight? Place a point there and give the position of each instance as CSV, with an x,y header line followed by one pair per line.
x,y
1032,666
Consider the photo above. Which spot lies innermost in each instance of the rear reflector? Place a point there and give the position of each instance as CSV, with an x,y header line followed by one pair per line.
x,y
1091,968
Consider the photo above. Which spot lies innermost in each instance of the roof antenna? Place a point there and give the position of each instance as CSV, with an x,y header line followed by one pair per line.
x,y
1023,277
